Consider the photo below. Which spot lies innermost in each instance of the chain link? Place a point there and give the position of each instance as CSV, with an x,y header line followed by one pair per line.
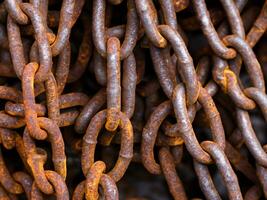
x,y
92,89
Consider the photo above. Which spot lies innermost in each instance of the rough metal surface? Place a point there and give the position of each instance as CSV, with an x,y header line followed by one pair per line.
x,y
133,99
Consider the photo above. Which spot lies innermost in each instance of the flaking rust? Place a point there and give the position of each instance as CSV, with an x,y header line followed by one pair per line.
x,y
133,99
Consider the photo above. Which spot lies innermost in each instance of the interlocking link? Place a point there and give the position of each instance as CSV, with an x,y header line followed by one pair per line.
x,y
170,88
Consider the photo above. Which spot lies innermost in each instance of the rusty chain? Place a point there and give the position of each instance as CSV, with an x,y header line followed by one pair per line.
x,y
121,99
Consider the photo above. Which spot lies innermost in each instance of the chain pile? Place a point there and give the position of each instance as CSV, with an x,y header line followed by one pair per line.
x,y
98,96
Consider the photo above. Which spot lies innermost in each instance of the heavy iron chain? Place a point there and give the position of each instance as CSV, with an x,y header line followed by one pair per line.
x,y
91,90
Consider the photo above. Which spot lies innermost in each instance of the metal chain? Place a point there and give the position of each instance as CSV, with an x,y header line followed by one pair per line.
x,y
97,96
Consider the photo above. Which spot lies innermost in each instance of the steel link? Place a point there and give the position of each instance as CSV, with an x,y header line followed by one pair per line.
x,y
167,96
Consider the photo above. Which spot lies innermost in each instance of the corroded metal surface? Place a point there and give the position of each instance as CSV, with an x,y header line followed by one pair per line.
x,y
133,99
